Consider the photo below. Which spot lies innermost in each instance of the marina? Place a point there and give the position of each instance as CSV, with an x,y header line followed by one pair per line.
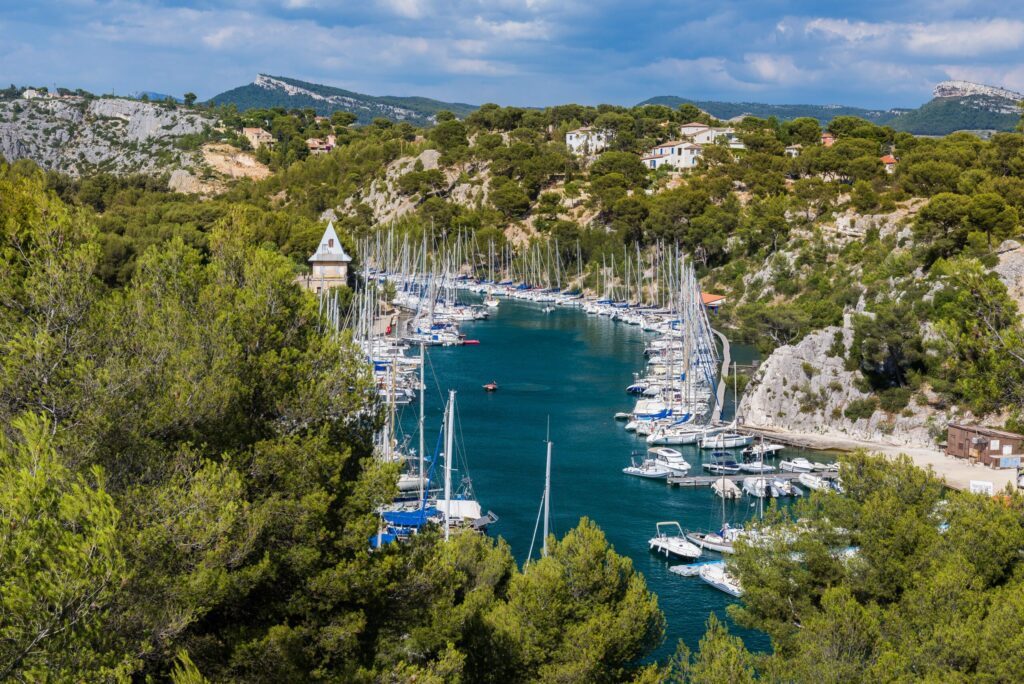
x,y
571,368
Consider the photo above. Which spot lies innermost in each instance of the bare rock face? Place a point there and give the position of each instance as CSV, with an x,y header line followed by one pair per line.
x,y
1010,270
850,225
387,202
76,135
805,388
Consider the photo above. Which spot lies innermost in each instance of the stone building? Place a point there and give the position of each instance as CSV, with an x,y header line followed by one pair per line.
x,y
329,262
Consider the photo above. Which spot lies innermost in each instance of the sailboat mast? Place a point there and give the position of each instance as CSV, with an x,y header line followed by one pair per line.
x,y
449,444
422,402
547,499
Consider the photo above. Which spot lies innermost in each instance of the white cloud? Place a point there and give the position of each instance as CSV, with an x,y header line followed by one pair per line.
x,y
853,32
513,30
219,38
779,69
410,9
965,38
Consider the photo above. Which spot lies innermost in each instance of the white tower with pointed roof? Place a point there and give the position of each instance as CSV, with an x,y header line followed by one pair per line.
x,y
330,263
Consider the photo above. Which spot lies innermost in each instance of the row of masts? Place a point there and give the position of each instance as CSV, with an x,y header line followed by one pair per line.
x,y
635,275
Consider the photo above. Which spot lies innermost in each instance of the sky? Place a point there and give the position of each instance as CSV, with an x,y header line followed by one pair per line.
x,y
869,53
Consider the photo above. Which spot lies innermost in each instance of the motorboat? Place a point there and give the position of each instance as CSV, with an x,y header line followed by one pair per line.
x,y
756,467
814,482
796,465
721,463
826,467
719,577
722,541
491,387
726,440
757,486
492,302
761,450
648,468
726,489
675,435
671,459
782,487
672,542
691,569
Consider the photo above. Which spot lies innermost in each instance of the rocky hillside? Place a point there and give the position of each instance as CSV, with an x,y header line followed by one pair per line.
x,y
806,388
79,136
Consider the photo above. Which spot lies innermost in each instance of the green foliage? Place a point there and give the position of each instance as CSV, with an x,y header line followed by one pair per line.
x,y
580,614
923,580
858,409
61,561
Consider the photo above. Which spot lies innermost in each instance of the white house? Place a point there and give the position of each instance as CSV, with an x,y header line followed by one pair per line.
x,y
794,150
693,128
677,153
330,263
31,94
587,140
706,135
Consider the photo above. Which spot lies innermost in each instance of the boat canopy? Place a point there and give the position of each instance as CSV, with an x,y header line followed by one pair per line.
x,y
417,518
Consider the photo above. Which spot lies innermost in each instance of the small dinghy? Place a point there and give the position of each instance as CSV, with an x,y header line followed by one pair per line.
x,y
491,387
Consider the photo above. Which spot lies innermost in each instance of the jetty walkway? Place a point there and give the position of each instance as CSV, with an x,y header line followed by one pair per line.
x,y
708,480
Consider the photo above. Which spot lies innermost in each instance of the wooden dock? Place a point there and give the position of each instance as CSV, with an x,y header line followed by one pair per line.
x,y
708,480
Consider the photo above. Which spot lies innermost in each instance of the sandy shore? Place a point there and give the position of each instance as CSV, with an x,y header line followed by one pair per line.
x,y
958,473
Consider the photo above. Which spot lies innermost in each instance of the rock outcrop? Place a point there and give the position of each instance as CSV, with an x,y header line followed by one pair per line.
x,y
1010,270
806,388
388,203
76,135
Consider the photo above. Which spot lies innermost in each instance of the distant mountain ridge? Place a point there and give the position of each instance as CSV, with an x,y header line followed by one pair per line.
x,y
278,91
956,106
729,110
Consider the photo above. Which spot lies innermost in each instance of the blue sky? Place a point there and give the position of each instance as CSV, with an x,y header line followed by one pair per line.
x,y
523,52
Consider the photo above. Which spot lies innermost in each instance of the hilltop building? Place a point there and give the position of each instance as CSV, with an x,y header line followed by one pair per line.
x,y
794,150
827,139
677,153
587,140
329,262
258,137
321,145
692,128
706,135
889,162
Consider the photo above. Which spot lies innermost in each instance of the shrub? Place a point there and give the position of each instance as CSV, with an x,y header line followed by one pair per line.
x,y
894,399
861,408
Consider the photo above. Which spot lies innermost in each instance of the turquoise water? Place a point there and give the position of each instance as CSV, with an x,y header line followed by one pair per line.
x,y
573,368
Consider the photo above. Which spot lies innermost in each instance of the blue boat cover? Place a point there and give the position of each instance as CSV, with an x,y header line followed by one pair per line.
x,y
416,518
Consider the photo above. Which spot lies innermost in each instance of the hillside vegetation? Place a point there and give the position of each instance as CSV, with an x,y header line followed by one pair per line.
x,y
187,488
